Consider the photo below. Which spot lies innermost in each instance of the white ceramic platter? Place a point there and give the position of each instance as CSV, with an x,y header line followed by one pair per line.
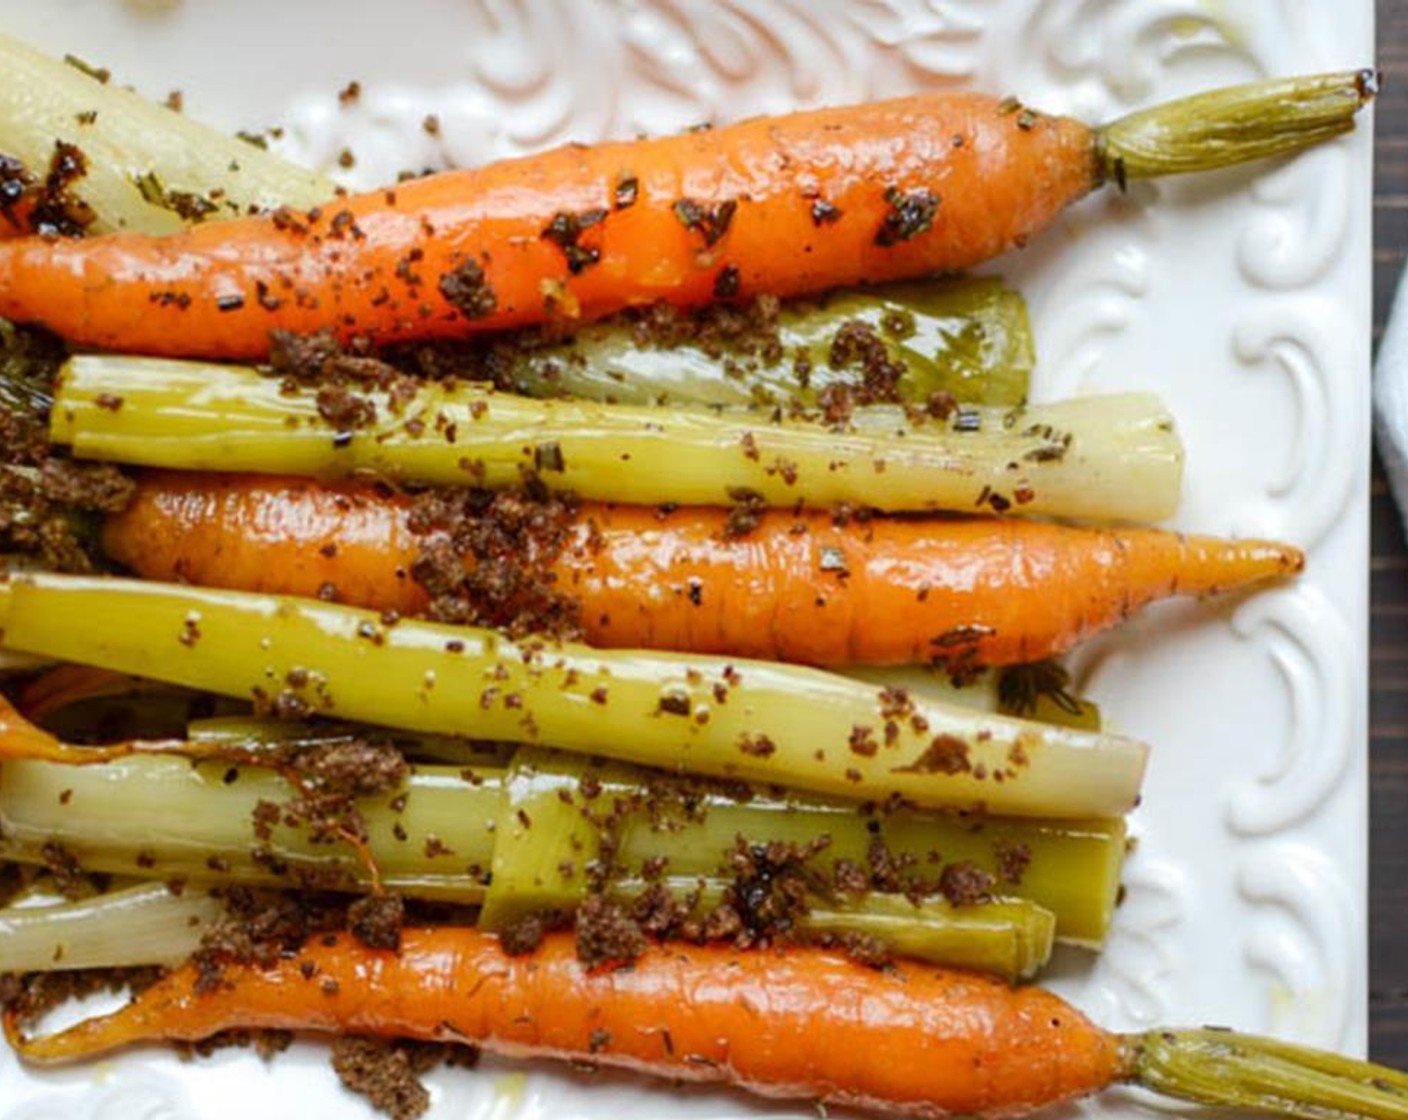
x,y
1242,298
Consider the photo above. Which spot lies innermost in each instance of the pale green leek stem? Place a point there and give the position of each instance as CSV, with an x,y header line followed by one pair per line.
x,y
1111,457
138,925
143,160
748,720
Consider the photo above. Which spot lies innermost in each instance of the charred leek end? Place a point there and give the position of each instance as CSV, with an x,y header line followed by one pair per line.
x,y
147,169
1114,457
1234,125
969,337
1218,1067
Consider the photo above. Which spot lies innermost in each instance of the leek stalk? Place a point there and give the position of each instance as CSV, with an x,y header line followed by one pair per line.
x,y
147,169
968,337
1113,457
748,720
507,838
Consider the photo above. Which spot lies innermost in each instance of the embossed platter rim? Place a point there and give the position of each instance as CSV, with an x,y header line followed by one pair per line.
x,y
1242,298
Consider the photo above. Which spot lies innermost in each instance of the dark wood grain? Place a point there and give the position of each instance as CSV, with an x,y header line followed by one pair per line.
x,y
1388,634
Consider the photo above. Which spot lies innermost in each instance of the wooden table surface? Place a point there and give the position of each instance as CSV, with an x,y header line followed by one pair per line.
x,y
1388,633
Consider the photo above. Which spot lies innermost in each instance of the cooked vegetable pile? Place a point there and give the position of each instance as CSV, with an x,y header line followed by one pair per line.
x,y
598,605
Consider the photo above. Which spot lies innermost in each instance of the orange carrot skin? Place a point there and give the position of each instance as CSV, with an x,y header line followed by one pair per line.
x,y
915,1040
797,588
782,205
288,535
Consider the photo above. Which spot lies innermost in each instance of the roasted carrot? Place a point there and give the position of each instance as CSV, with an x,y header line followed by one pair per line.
x,y
783,206
962,592
800,1023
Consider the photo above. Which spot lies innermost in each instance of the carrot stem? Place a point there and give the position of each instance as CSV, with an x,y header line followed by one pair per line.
x,y
1220,1067
1229,126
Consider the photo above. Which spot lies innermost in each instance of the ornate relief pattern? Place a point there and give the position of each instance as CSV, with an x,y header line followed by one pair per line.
x,y
1306,938
1299,232
1079,328
1309,340
142,1097
1113,53
1292,251
1312,648
672,64
1136,976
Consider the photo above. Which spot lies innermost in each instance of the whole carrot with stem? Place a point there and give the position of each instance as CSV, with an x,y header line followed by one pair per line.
x,y
800,1023
794,587
785,206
